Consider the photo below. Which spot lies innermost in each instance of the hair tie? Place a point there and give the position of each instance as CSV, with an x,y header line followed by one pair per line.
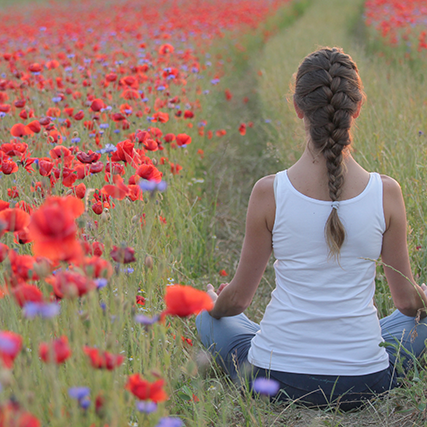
x,y
335,205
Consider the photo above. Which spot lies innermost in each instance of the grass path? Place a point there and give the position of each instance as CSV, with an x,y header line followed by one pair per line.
x,y
386,140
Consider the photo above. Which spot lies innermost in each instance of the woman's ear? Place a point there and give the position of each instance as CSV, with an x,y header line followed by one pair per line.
x,y
359,107
298,110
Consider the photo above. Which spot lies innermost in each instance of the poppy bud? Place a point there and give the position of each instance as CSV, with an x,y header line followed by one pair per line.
x,y
149,262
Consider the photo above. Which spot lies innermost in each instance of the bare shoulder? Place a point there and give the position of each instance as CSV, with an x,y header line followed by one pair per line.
x,y
393,204
390,185
262,200
265,186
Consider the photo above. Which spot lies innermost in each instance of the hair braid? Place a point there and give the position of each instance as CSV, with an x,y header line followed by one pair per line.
x,y
328,90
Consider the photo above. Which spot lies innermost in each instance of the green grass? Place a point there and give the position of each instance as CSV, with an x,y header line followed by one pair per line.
x,y
205,212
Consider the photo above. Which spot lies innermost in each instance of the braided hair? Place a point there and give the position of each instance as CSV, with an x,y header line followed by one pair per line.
x,y
328,90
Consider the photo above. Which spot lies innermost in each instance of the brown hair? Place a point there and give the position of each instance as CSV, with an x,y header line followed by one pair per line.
x,y
328,90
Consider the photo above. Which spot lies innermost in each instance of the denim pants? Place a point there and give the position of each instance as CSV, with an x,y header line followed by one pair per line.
x,y
229,339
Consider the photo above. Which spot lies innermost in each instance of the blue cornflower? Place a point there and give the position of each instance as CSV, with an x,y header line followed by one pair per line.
x,y
265,386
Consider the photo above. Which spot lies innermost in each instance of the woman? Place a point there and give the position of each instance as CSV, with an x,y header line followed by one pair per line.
x,y
327,220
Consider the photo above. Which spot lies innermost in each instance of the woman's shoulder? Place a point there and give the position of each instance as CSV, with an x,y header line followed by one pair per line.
x,y
393,203
263,198
264,187
390,186
266,183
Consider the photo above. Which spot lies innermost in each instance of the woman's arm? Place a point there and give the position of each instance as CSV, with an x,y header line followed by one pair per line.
x,y
257,247
407,296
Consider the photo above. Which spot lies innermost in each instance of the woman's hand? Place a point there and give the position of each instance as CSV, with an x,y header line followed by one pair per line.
x,y
221,287
211,292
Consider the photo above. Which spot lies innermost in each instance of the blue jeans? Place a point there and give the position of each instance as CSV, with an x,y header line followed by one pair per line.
x,y
229,339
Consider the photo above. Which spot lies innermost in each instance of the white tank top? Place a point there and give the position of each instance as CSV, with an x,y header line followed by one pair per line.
x,y
321,318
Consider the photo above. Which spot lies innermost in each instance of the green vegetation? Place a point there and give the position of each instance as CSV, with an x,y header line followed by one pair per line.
x,y
205,212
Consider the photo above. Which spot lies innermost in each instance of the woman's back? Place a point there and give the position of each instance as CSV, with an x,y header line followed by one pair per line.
x,y
320,302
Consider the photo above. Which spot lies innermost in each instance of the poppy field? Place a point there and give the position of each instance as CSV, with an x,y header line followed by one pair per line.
x,y
399,26
103,135
112,123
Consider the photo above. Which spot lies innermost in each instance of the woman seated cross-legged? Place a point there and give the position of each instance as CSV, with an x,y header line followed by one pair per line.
x,y
327,221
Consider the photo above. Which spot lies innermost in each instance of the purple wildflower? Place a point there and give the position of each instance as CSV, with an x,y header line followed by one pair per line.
x,y
145,320
170,422
152,186
101,283
79,393
84,403
42,309
7,345
265,386
109,148
146,406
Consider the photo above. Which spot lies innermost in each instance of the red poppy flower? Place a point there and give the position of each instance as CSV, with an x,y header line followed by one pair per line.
x,y
160,117
117,117
183,301
104,359
69,177
166,48
135,193
13,219
10,346
112,77
13,193
169,137
183,139
242,129
27,293
23,269
22,237
118,191
96,167
5,108
60,152
89,157
97,105
53,228
45,167
223,273
69,284
80,190
8,167
140,300
187,341
144,390
98,248
126,153
35,67
79,116
57,351
123,255
151,145
34,126
96,267
97,208
149,172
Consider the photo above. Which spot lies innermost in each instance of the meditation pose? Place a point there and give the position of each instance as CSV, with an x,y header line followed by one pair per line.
x,y
327,220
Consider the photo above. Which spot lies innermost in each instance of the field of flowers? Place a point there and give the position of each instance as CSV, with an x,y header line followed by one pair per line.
x,y
102,215
109,112
399,25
